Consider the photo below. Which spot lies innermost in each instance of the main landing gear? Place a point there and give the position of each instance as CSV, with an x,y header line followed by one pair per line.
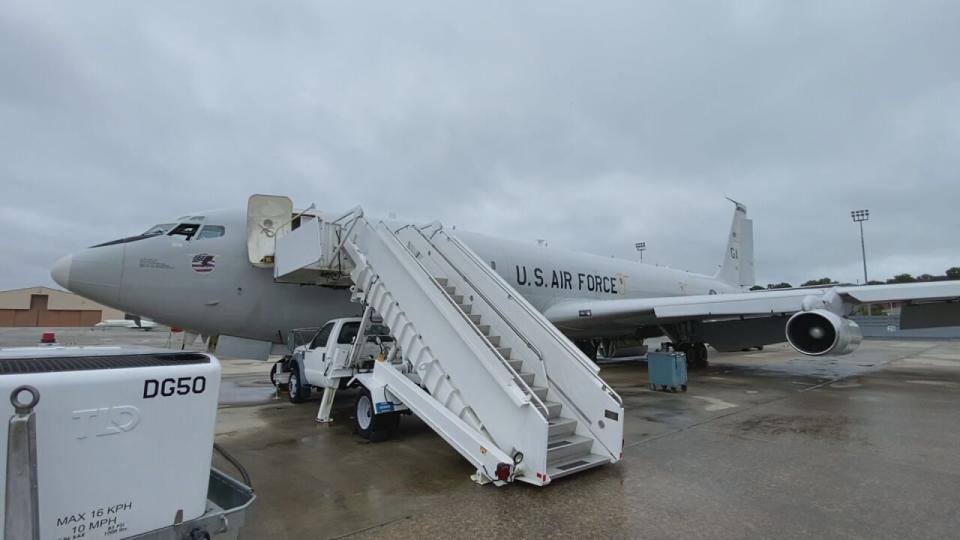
x,y
696,354
587,347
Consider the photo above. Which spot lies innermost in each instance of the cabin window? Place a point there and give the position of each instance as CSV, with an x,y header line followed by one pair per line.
x,y
211,231
187,230
348,332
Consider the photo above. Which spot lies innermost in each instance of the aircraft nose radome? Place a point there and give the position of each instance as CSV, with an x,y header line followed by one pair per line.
x,y
61,271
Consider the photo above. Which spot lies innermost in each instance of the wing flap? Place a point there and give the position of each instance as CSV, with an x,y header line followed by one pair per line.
x,y
902,292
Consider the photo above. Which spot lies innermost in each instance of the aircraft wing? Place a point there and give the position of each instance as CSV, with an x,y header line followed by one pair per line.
x,y
925,305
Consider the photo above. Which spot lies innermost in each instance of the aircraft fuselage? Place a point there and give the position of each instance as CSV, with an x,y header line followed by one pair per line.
x,y
206,283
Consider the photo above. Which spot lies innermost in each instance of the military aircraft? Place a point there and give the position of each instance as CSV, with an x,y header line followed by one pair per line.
x,y
196,272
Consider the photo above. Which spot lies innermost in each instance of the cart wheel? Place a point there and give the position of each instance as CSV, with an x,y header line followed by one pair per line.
x,y
683,388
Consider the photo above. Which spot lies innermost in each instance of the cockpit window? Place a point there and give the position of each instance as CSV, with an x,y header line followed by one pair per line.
x,y
163,228
211,231
156,230
187,230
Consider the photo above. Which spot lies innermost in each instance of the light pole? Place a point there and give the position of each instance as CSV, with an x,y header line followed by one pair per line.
x,y
641,247
859,216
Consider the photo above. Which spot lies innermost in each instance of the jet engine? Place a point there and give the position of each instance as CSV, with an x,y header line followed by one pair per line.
x,y
821,332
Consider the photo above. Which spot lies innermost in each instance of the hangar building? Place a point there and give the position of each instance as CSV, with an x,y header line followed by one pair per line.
x,y
44,306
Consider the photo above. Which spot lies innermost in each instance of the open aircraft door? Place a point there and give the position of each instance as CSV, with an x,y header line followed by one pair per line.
x,y
268,216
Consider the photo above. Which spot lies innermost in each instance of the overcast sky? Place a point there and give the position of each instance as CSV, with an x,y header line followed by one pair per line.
x,y
591,125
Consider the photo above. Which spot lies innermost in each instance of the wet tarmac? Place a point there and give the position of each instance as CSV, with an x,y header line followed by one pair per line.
x,y
763,445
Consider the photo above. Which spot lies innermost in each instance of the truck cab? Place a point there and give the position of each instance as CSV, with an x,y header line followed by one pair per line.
x,y
327,355
324,361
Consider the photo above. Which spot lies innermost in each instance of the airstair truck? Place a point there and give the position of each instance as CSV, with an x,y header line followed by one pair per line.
x,y
469,355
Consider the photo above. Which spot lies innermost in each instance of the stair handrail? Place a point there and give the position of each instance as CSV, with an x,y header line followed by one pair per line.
x,y
536,315
471,256
529,395
538,403
355,214
519,334
550,329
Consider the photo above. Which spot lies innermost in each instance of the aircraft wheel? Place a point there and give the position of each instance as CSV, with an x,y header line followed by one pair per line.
x,y
700,355
696,354
296,391
370,426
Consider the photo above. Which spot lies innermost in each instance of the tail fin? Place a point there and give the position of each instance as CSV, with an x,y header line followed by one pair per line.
x,y
737,268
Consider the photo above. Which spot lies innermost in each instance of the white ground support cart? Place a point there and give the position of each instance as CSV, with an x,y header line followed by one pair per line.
x,y
96,446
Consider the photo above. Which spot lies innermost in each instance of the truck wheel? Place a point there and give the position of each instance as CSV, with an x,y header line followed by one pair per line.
x,y
275,376
370,426
295,389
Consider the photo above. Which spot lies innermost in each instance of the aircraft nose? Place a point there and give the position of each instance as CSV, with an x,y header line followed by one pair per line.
x,y
93,273
61,271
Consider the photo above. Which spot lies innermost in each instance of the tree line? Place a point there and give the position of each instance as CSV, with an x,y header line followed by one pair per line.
x,y
951,273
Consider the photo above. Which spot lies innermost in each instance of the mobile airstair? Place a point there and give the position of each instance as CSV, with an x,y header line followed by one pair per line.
x,y
480,365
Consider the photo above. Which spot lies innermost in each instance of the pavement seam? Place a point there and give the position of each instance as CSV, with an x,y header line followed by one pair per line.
x,y
371,527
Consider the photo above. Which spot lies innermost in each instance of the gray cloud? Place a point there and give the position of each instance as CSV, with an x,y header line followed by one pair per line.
x,y
589,126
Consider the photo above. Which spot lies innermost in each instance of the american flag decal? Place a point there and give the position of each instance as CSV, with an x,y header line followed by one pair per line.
x,y
203,262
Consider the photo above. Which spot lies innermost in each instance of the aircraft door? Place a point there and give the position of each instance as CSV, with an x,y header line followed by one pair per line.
x,y
268,216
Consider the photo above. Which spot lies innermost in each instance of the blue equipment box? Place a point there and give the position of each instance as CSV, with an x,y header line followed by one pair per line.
x,y
667,371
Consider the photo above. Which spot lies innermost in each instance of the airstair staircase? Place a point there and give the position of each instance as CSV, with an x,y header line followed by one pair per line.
x,y
481,366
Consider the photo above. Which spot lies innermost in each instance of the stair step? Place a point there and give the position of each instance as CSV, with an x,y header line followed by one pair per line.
x,y
526,376
450,289
563,448
475,318
540,391
553,408
442,281
575,465
561,426
457,298
484,329
494,340
505,352
466,308
517,365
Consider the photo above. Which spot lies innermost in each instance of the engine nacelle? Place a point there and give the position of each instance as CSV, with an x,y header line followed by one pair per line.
x,y
821,332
